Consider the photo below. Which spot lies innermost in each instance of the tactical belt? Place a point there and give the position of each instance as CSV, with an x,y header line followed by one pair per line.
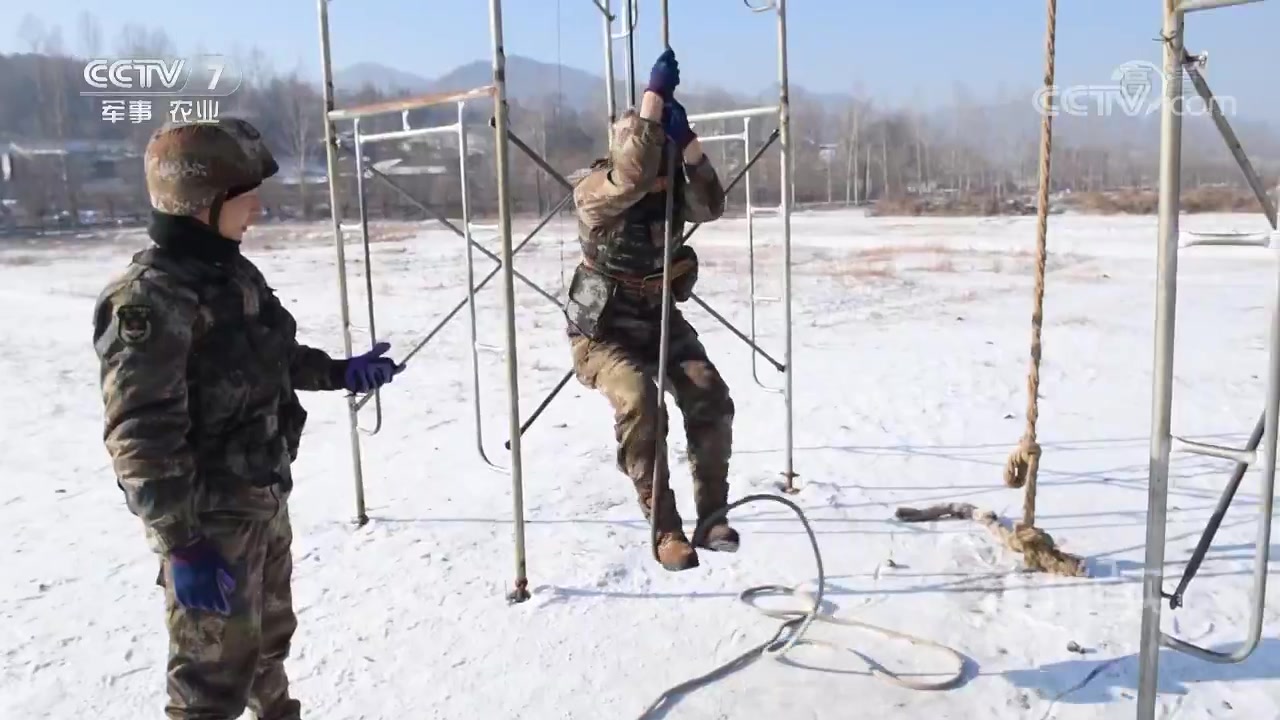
x,y
650,284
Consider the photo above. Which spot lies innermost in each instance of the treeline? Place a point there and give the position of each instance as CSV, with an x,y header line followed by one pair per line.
x,y
847,148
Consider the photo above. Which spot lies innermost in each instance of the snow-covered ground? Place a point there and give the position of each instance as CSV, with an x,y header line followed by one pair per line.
x,y
911,341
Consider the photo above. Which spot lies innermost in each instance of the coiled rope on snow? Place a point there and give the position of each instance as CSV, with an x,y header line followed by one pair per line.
x,y
797,622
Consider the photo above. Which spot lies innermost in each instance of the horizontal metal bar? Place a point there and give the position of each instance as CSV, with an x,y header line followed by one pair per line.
x,y
1233,144
1248,457
755,211
482,227
731,114
1227,240
1187,6
408,134
402,104
766,298
740,137
485,347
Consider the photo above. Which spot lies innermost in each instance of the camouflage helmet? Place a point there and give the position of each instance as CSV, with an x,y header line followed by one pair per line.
x,y
190,167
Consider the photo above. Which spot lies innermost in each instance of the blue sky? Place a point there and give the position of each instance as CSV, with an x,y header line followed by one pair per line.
x,y
901,51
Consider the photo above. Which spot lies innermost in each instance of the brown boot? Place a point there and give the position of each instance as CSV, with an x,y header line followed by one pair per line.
x,y
720,537
674,551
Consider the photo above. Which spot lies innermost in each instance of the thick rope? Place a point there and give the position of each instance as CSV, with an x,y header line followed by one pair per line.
x,y
795,623
1036,546
1024,463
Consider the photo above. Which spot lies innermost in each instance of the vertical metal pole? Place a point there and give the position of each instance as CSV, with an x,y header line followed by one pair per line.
x,y
521,591
363,205
331,159
1162,374
611,102
661,479
751,244
464,186
784,128
630,48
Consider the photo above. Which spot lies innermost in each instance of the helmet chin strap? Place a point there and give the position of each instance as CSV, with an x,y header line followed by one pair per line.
x,y
215,210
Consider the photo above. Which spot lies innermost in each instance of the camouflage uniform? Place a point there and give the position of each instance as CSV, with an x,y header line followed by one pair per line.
x,y
615,311
199,368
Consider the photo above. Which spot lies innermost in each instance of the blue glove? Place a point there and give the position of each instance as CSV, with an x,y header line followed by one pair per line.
x,y
201,578
675,121
665,75
370,370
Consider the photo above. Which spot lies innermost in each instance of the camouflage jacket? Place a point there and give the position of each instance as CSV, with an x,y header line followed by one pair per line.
x,y
621,218
198,368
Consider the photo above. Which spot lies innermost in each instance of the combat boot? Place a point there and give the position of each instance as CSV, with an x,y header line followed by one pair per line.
x,y
674,551
673,548
719,537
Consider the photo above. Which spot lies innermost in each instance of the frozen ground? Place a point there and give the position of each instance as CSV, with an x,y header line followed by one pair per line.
x,y
911,351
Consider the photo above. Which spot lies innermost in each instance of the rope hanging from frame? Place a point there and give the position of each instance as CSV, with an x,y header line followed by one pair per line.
x,y
1022,469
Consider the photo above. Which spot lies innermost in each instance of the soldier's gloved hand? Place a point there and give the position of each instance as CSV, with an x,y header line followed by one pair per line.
x,y
201,578
675,121
684,261
370,370
665,75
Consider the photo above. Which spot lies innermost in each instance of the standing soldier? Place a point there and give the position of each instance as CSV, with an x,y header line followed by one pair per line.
x,y
199,368
615,310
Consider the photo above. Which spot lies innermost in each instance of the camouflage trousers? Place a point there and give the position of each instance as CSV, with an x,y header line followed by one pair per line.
x,y
624,369
219,664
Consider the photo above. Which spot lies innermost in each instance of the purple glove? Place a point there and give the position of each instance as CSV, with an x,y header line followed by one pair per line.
x,y
370,370
201,578
675,121
665,75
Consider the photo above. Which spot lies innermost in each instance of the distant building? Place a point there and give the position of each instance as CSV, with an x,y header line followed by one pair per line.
x,y
69,182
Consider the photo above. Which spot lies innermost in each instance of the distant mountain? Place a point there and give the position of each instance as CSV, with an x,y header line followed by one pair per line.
x,y
997,126
385,79
528,80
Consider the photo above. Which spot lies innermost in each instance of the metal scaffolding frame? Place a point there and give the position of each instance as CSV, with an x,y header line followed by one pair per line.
x,y
354,143
1163,442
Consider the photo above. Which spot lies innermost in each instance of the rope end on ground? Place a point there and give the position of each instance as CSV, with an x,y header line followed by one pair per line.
x,y
961,511
1036,546
1040,553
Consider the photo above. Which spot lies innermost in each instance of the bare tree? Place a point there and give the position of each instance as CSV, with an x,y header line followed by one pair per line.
x,y
300,107
138,40
90,34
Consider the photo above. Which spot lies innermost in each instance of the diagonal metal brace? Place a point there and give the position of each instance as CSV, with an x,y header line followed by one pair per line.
x,y
1233,142
543,405
733,183
773,136
537,159
479,286
1215,521
741,335
445,221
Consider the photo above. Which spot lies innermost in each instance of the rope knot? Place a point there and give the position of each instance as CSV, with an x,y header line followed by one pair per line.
x,y
1040,553
1020,461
